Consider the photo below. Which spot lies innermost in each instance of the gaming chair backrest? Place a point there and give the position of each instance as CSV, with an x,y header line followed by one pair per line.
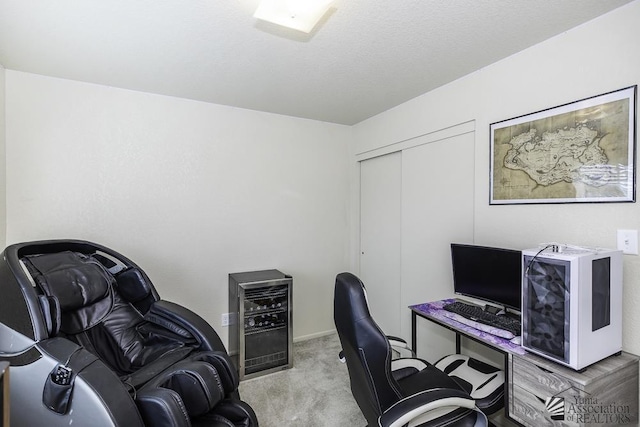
x,y
366,349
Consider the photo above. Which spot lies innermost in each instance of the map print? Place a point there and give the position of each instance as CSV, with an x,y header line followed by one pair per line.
x,y
582,154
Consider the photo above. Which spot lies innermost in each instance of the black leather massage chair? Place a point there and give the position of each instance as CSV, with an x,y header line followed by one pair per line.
x,y
90,343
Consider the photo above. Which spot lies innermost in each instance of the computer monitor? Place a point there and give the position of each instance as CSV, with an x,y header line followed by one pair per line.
x,y
489,274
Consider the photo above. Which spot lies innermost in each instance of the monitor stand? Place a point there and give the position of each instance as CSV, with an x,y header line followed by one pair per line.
x,y
492,309
512,313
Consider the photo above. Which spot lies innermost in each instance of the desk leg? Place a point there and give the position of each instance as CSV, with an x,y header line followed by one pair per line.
x,y
458,346
414,344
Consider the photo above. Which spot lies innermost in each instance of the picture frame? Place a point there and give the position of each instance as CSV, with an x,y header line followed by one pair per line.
x,y
580,152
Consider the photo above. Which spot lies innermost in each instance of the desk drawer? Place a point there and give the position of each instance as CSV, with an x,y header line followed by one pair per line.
x,y
532,386
541,381
540,397
530,410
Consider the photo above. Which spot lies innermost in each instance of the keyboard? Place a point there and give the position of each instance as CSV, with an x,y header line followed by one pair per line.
x,y
477,314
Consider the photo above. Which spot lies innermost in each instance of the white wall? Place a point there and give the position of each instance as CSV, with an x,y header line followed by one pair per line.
x,y
190,191
597,57
193,191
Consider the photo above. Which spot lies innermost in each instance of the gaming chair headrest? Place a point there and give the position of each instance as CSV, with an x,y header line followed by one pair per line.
x,y
350,302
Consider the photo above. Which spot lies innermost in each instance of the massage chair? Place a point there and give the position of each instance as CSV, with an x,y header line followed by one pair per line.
x,y
90,342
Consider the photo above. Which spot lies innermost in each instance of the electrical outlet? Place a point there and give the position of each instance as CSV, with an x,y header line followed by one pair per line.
x,y
628,241
226,319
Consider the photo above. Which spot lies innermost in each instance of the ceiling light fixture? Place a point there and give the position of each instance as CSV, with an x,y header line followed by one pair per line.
x,y
301,15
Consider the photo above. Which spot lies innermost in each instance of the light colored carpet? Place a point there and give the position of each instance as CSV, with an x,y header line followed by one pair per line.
x,y
314,393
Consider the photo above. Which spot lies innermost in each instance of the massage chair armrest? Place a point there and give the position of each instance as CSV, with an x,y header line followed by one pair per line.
x,y
113,394
419,404
177,317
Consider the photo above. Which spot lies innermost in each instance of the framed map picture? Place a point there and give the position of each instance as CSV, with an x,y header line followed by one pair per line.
x,y
578,152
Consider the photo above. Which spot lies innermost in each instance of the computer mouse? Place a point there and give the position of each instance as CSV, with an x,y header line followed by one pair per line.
x,y
516,340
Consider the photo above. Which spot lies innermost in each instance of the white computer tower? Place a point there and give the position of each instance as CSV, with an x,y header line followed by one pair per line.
x,y
572,304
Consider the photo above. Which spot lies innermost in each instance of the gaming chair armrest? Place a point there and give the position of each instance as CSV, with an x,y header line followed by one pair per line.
x,y
400,346
408,362
419,404
187,319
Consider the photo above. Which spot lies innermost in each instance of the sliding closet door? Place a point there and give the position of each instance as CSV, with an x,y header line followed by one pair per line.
x,y
413,203
437,209
380,215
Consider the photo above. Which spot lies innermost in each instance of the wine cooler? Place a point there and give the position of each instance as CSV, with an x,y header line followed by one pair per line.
x,y
261,332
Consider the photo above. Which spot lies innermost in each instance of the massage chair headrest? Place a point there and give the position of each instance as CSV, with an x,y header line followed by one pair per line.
x,y
80,284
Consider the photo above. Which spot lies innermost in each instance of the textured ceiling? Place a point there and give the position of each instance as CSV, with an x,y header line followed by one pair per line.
x,y
365,56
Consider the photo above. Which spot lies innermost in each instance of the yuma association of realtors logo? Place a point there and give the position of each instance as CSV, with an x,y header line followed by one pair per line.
x,y
555,407
588,410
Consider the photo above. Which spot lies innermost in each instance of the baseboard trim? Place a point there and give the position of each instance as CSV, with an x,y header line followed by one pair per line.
x,y
312,336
